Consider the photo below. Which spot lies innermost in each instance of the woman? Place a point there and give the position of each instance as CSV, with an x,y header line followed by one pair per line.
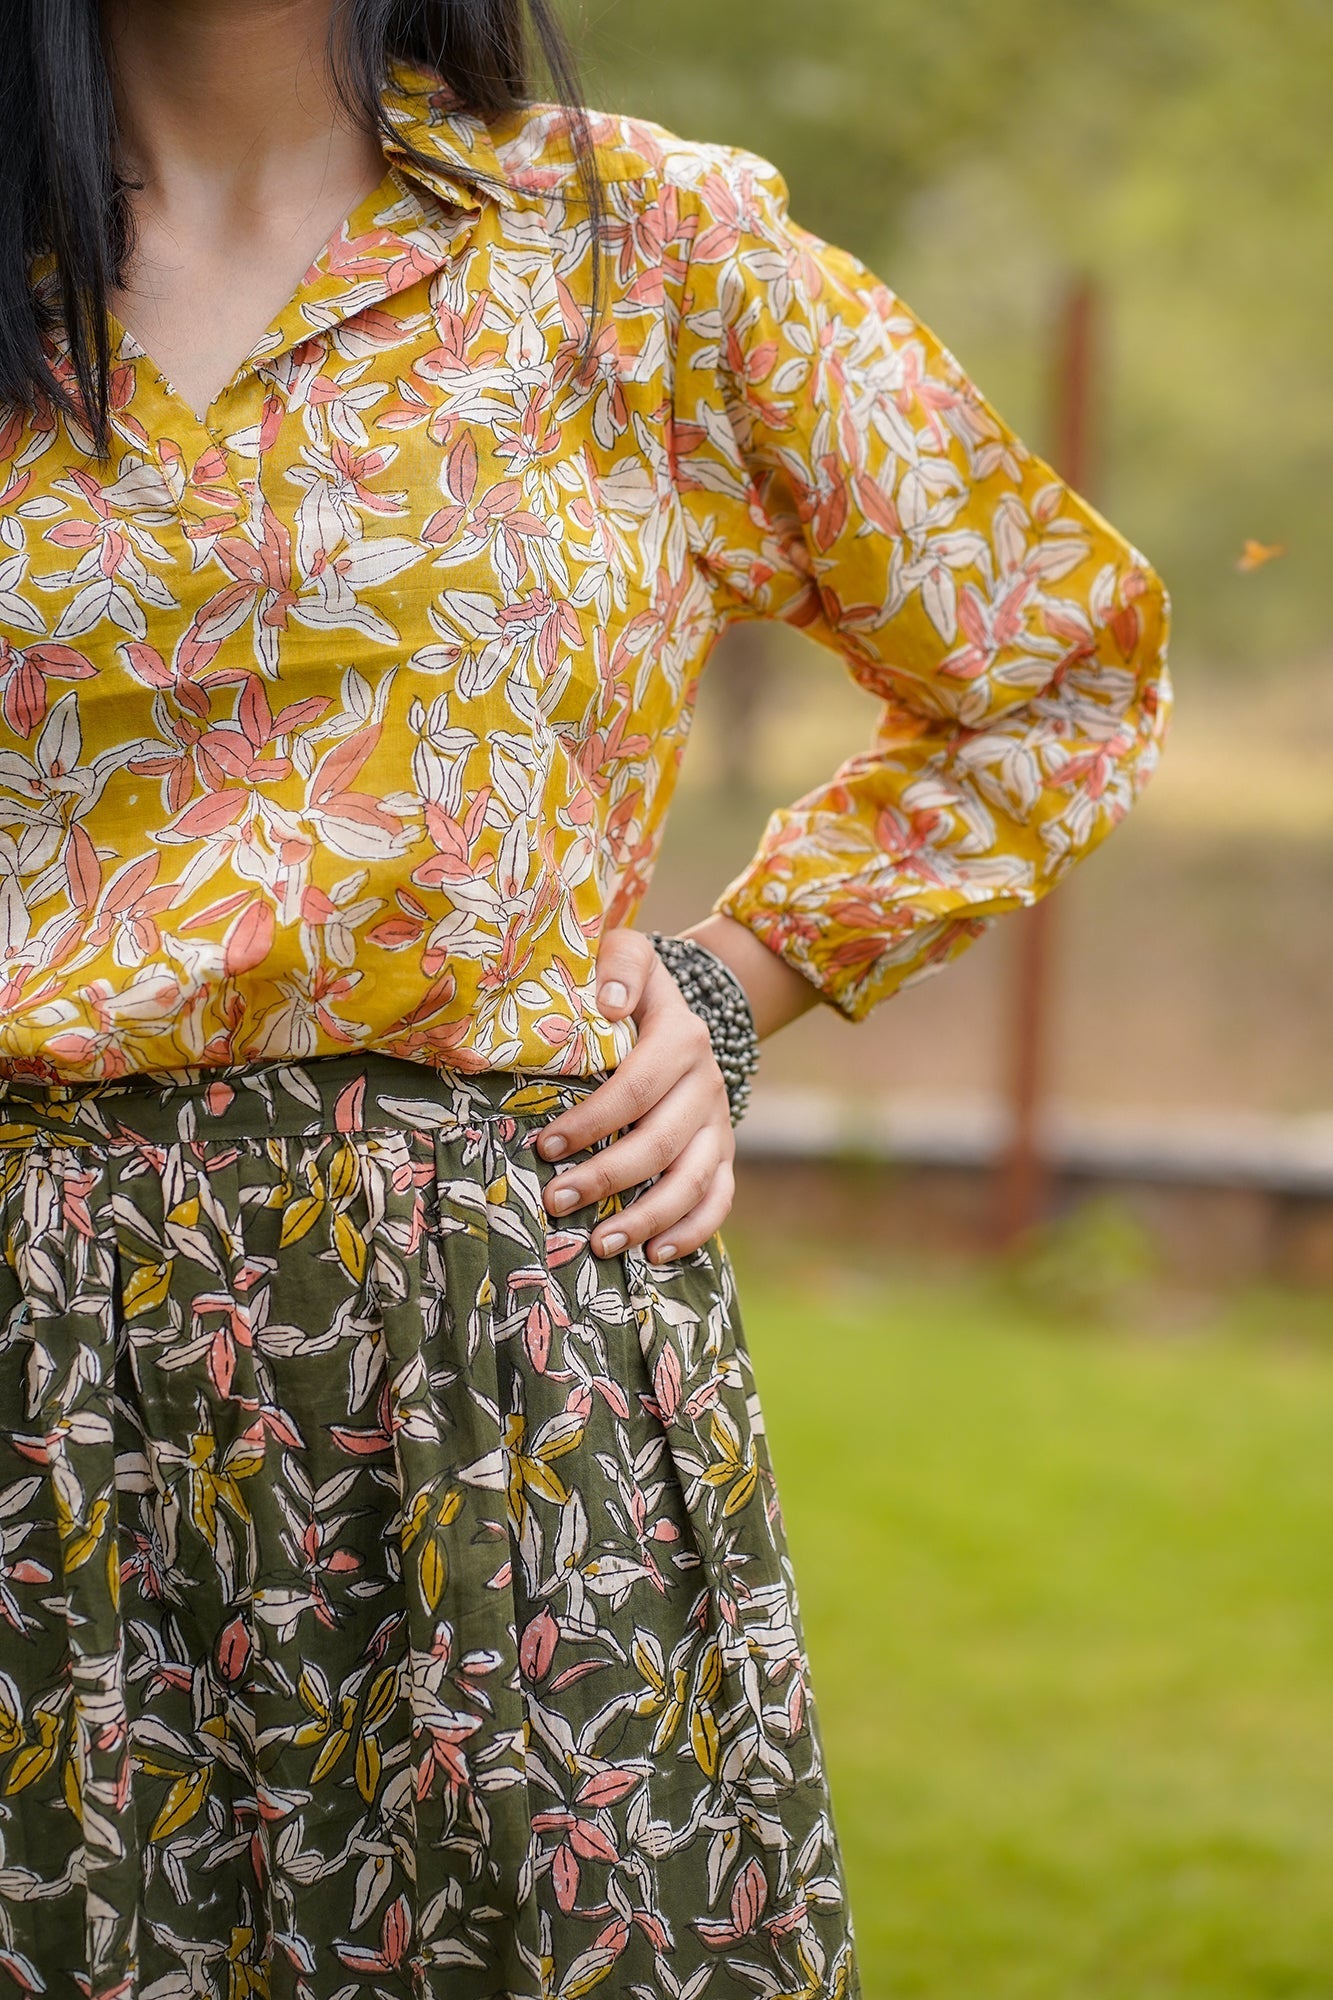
x,y
395,1591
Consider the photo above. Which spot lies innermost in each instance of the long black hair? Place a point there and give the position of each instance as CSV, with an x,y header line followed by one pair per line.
x,y
62,195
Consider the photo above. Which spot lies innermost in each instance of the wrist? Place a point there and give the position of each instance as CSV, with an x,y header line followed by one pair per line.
x,y
711,990
777,993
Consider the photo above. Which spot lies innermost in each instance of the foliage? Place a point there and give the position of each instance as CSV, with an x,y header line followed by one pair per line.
x,y
1089,1266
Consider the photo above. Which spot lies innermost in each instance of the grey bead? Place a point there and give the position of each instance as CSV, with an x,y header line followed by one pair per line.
x,y
713,991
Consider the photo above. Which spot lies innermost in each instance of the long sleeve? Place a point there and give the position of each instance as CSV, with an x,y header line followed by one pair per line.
x,y
839,471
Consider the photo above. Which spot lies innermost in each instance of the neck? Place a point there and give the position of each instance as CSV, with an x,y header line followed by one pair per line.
x,y
230,96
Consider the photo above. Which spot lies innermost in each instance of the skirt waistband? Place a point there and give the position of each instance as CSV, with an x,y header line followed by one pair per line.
x,y
351,1093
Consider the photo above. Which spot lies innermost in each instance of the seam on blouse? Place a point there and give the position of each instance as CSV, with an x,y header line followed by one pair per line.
x,y
732,603
691,533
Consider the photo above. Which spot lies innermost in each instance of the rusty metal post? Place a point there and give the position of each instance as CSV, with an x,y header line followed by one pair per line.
x,y
1024,1180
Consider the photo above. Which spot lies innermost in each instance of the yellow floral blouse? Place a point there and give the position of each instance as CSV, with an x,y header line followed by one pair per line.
x,y
350,717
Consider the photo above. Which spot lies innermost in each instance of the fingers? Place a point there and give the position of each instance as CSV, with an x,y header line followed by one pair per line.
x,y
678,1239
625,962
665,1108
695,1108
680,1211
673,1045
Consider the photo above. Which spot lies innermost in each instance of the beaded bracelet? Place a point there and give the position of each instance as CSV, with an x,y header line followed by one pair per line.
x,y
717,996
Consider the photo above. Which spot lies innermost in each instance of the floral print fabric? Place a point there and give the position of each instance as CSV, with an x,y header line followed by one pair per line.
x,y
395,1597
348,717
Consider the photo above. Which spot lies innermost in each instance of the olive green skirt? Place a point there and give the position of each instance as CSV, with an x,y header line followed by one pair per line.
x,y
393,1594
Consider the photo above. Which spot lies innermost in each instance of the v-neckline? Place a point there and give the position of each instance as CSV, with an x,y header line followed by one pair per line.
x,y
276,334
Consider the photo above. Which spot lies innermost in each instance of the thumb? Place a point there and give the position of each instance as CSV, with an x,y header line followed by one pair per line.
x,y
624,961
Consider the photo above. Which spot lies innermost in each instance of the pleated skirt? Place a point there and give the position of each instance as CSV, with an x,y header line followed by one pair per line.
x,y
394,1598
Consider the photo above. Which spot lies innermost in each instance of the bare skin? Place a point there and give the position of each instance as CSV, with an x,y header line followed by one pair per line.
x,y
247,167
672,1089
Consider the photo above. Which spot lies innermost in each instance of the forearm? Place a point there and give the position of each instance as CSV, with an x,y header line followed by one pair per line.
x,y
776,992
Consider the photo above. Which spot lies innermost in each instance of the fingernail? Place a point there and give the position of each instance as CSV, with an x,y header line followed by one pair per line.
x,y
666,1253
552,1145
564,1198
615,1241
614,994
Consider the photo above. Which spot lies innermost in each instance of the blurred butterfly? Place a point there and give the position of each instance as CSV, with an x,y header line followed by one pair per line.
x,y
1255,554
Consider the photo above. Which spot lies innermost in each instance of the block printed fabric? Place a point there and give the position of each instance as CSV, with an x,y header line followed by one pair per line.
x,y
348,718
394,1599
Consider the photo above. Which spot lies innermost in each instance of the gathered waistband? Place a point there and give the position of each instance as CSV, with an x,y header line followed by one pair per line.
x,y
351,1093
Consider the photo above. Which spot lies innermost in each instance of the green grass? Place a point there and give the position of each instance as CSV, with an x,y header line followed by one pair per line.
x,y
1069,1600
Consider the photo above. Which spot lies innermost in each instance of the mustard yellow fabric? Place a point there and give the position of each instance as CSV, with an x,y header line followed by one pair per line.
x,y
349,718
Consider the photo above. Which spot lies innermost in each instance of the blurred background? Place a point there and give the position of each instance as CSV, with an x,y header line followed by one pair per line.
x,y
1052,1429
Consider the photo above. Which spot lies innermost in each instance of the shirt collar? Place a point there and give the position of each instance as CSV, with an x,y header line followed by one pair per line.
x,y
457,165
441,147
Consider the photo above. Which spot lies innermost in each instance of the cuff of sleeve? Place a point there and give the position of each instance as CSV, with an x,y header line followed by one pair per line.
x,y
853,971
